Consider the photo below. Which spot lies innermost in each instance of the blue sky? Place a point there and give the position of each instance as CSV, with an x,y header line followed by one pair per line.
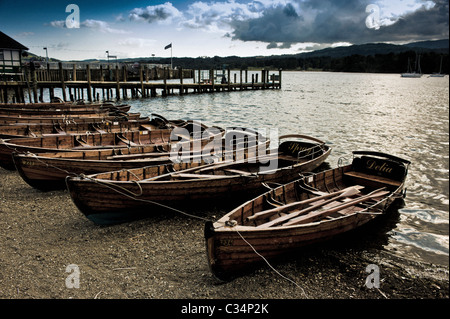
x,y
222,27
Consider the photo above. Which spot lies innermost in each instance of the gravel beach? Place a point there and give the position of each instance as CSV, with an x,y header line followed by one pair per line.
x,y
163,257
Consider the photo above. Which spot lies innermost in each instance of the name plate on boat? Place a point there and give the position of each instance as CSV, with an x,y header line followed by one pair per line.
x,y
300,149
379,167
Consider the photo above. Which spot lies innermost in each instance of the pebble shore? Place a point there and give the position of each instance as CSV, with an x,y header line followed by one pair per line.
x,y
163,257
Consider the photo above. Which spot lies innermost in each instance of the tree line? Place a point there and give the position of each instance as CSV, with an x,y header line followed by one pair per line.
x,y
378,63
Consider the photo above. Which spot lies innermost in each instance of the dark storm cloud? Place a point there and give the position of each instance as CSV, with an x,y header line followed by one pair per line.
x,y
324,21
422,24
338,21
274,45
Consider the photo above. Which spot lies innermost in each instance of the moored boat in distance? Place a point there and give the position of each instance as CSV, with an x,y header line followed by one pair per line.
x,y
305,211
438,74
413,72
121,195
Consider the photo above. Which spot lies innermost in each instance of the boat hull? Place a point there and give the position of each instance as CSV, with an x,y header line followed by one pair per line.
x,y
5,119
48,174
230,248
64,143
41,130
48,171
95,196
411,75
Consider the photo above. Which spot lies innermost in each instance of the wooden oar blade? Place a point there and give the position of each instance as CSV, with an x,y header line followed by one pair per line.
x,y
347,192
320,214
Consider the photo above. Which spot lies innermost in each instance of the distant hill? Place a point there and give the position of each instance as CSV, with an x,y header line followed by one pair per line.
x,y
378,48
370,57
438,46
432,45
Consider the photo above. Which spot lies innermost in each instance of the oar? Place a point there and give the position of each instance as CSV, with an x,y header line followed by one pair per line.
x,y
196,168
350,192
308,188
269,212
320,214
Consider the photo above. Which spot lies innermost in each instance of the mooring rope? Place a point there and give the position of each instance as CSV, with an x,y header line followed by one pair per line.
x,y
132,196
127,193
267,262
106,184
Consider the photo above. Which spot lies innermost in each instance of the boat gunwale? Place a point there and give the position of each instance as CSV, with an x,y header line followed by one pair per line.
x,y
224,177
220,224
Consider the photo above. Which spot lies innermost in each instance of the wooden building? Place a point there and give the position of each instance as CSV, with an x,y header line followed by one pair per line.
x,y
10,56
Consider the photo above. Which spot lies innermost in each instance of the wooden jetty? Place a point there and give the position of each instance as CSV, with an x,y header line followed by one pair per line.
x,y
116,83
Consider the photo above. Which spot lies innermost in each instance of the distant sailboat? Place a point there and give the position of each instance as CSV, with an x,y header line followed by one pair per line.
x,y
413,73
438,75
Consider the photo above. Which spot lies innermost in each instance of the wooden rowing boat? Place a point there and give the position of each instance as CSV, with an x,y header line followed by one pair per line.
x,y
105,197
17,130
48,171
311,209
75,111
77,142
61,107
38,105
85,112
40,130
65,106
121,116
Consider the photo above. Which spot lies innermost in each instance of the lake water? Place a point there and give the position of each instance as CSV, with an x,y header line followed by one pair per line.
x,y
408,118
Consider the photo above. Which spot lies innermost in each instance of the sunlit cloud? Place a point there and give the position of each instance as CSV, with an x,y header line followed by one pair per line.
x,y
391,11
162,13
136,42
101,26
98,25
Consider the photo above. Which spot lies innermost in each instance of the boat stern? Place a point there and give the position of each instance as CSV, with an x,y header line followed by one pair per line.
x,y
210,236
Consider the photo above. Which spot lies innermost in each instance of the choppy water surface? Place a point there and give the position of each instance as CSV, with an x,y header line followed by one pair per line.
x,y
382,112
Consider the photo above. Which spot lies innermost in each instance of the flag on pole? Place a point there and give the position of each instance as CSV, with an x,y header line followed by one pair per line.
x,y
168,46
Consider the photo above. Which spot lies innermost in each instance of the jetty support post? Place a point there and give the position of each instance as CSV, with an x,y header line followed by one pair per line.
x,y
63,85
74,76
117,83
240,79
181,81
35,85
264,78
88,75
279,78
124,88
141,79
165,82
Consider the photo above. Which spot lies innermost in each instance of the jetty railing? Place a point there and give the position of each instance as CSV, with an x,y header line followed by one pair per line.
x,y
115,83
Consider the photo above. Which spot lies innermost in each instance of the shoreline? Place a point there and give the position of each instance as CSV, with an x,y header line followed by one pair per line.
x,y
163,257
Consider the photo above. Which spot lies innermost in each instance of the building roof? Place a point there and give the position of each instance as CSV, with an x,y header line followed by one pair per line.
x,y
7,42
